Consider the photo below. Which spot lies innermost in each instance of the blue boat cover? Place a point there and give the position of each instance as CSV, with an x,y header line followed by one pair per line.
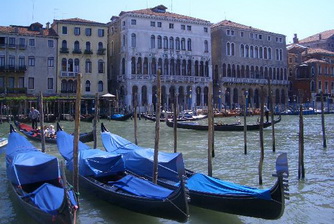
x,y
140,187
140,160
204,183
92,162
117,115
48,197
26,164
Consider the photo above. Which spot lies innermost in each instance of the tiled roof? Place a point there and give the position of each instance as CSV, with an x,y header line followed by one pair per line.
x,y
318,51
324,35
25,30
314,60
160,11
229,23
78,20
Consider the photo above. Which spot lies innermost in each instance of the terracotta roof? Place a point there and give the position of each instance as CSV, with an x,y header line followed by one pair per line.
x,y
160,11
25,30
229,23
324,35
314,60
78,20
318,51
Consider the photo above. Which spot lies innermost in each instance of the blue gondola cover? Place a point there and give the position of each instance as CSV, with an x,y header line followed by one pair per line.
x,y
140,160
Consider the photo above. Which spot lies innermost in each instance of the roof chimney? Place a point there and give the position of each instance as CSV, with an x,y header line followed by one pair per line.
x,y
295,39
47,25
320,36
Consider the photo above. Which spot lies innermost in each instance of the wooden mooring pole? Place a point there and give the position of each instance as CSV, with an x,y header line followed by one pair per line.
x,y
76,135
245,123
175,113
261,138
210,131
271,106
135,118
324,143
95,119
157,129
41,109
301,169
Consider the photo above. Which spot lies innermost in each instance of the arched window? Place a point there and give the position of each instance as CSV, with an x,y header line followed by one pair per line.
x,y
178,67
256,55
177,43
145,66
139,66
143,95
269,53
100,86
260,52
87,86
206,46
165,42
87,46
159,42
64,64
280,54
189,44
64,44
133,65
206,69
63,86
123,66
189,68
246,51
251,52
160,65
232,49
265,53
152,41
228,49
76,65
154,66
224,70
183,44
184,65
76,46
88,66
196,68
242,50
166,66
100,65
70,65
100,46
171,43
172,67
133,40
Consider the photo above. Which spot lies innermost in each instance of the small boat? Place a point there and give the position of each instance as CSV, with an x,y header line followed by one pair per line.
x,y
103,174
151,117
87,118
3,143
121,117
204,191
37,182
220,127
34,134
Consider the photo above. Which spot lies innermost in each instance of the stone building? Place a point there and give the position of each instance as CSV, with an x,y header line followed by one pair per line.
x,y
323,40
141,42
243,58
28,56
82,48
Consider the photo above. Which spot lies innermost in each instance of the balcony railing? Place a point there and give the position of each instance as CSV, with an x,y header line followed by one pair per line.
x,y
68,74
88,52
101,51
64,50
15,90
166,78
11,68
253,81
77,51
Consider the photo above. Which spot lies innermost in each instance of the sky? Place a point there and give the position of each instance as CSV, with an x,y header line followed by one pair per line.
x,y
303,17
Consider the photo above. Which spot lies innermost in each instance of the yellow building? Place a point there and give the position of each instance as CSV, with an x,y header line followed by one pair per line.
x,y
81,49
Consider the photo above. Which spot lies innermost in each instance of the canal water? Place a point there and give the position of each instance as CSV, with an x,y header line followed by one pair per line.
x,y
311,200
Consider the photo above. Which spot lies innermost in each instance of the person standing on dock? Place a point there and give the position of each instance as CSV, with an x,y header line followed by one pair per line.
x,y
34,115
266,112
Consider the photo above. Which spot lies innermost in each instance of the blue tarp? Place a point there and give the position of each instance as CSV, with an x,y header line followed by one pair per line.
x,y
25,164
140,160
204,183
48,197
141,187
117,115
92,162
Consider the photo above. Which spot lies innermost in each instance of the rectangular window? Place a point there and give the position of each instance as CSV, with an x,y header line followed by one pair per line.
x,y
2,82
2,61
159,24
171,26
88,32
241,34
21,82
50,43
183,27
22,61
64,29
10,82
11,42
50,83
152,23
11,61
31,83
205,29
32,42
228,32
31,61
133,22
51,61
22,42
100,32
76,31
260,36
269,38
189,28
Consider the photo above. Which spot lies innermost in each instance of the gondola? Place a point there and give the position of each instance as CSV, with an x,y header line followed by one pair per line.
x,y
206,192
103,174
34,134
121,117
220,127
87,118
37,182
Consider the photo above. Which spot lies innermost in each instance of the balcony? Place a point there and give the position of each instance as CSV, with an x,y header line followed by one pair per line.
x,y
22,46
68,74
253,81
64,50
11,68
101,51
88,52
168,78
16,90
76,51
